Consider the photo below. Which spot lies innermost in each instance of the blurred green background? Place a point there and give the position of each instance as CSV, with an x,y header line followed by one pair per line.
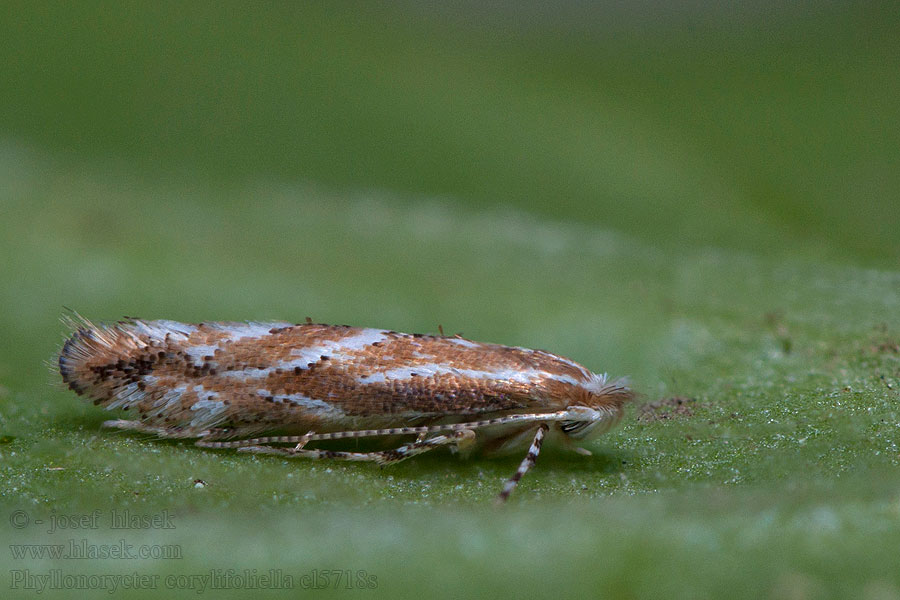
x,y
702,196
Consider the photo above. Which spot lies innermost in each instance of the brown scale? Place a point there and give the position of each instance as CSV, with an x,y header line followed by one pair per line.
x,y
410,350
100,361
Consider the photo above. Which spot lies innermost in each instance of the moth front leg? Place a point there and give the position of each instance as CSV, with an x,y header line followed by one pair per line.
x,y
526,463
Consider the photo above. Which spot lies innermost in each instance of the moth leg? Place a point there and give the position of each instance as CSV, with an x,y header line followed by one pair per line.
x,y
465,442
304,440
304,453
466,439
526,464
384,457
142,427
419,446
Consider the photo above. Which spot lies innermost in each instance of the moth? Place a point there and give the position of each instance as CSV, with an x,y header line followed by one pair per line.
x,y
227,384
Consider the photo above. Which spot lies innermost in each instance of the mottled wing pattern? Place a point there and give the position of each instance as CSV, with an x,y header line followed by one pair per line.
x,y
263,376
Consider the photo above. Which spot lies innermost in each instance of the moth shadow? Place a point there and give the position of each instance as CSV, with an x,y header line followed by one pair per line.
x,y
605,462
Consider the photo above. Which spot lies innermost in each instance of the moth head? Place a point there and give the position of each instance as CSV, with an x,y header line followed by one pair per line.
x,y
595,407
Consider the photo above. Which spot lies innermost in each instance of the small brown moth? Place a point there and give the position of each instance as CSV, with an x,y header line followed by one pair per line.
x,y
227,382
